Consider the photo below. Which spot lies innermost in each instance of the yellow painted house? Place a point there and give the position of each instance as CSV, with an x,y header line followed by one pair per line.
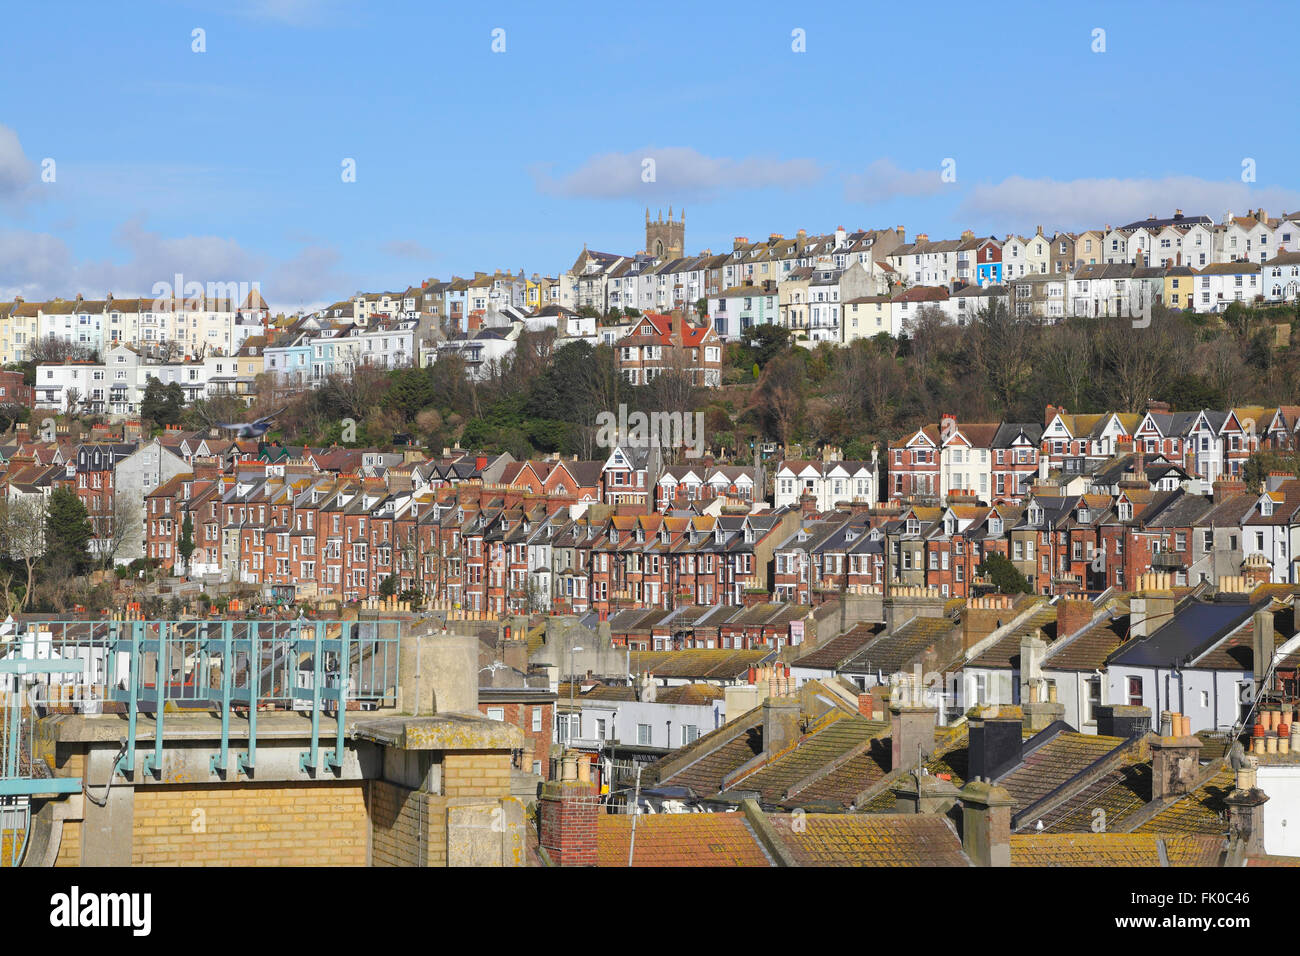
x,y
19,329
1179,287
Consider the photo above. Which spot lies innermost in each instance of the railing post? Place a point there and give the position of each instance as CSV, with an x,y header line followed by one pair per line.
x,y
308,760
334,759
248,759
153,761
218,763
133,701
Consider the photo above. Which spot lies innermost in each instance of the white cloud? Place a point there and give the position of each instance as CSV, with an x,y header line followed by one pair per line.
x,y
884,180
1090,203
17,173
41,266
406,249
678,172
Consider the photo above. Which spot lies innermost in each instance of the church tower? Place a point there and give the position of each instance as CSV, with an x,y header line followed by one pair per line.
x,y
665,239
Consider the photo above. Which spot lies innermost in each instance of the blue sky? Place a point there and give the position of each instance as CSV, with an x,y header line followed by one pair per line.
x,y
226,165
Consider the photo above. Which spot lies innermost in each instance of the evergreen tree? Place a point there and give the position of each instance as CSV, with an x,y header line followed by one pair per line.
x,y
186,546
67,530
1004,575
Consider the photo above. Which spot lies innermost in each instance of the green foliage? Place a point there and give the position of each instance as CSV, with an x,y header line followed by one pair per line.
x,y
1002,572
67,531
185,547
163,404
388,587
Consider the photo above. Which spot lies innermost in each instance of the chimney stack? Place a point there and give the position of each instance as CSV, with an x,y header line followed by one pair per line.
x,y
1073,615
780,724
567,815
911,733
993,747
1263,644
1246,809
1174,760
986,822
924,793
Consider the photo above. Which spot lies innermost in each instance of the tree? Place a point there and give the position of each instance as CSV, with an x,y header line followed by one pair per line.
x,y
24,535
163,404
185,547
1002,350
779,399
52,350
67,530
388,587
1004,575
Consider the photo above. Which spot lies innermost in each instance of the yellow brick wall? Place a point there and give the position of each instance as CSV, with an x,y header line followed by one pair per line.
x,y
69,844
306,824
476,774
407,823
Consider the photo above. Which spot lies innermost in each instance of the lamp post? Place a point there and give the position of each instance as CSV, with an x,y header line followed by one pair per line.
x,y
569,733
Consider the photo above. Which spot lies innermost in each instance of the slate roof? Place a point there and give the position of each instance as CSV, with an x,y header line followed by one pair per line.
x,y
1196,627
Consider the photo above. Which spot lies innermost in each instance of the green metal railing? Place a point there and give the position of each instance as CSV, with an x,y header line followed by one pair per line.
x,y
231,669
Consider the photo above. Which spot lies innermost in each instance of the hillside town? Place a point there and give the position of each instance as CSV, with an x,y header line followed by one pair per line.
x,y
1061,640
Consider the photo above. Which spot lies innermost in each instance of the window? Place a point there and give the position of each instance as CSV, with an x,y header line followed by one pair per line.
x,y
689,733
1135,691
496,713
1094,697
643,735
537,719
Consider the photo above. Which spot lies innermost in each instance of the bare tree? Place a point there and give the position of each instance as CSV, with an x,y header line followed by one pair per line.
x,y
52,350
1139,361
126,524
23,526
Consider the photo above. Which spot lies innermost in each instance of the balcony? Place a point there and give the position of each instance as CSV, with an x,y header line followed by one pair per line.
x,y
1167,559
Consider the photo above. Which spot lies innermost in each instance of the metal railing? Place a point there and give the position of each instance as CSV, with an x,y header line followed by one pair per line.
x,y
226,668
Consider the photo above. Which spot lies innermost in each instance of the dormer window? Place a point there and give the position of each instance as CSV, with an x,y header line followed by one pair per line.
x,y
1266,507
995,526
1125,511
1035,515
913,526
1084,516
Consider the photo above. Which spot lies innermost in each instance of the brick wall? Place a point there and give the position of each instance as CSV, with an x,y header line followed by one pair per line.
x,y
473,773
567,814
316,824
537,744
407,825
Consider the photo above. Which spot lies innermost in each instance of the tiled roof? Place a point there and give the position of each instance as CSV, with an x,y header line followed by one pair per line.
x,y
1117,794
1006,652
1113,849
710,760
1053,763
701,663
679,839
862,839
1199,812
1089,649
892,652
837,650
830,738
